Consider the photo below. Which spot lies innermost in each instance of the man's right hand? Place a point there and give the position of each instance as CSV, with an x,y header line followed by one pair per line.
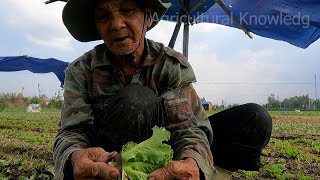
x,y
91,163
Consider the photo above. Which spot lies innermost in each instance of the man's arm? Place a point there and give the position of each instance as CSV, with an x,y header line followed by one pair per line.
x,y
191,129
75,129
191,132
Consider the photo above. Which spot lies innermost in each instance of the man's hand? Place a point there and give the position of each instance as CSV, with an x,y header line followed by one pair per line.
x,y
91,163
181,170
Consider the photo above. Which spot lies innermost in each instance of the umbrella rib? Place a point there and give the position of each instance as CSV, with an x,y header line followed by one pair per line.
x,y
175,34
233,18
51,1
194,7
184,8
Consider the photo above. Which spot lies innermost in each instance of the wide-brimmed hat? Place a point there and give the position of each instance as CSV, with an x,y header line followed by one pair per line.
x,y
78,17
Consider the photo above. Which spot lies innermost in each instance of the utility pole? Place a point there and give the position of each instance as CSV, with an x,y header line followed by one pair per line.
x,y
39,90
315,87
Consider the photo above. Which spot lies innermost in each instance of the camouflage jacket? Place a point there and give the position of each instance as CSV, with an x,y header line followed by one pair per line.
x,y
91,78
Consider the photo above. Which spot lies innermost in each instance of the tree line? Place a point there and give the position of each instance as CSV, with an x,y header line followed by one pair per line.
x,y
14,100
303,102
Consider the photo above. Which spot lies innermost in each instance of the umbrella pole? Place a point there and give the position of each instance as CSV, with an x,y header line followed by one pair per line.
x,y
186,4
186,39
184,16
175,34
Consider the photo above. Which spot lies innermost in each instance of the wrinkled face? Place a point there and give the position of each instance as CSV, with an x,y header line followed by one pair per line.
x,y
121,24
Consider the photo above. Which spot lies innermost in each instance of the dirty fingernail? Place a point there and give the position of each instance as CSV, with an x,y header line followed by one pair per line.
x,y
112,153
114,175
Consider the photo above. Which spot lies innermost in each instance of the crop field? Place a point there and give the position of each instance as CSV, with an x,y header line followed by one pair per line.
x,y
292,153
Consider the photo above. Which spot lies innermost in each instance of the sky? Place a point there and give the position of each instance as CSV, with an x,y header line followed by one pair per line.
x,y
229,66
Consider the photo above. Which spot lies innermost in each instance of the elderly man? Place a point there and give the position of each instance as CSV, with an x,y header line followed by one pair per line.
x,y
119,90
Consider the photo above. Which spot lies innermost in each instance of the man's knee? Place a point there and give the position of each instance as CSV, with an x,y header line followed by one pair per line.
x,y
262,120
240,146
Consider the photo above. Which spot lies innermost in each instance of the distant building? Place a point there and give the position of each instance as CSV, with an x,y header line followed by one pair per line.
x,y
207,105
44,100
44,96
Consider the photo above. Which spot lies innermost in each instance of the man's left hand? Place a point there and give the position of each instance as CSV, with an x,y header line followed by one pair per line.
x,y
181,170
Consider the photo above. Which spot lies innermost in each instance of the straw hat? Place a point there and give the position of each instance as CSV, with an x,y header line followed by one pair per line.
x,y
78,17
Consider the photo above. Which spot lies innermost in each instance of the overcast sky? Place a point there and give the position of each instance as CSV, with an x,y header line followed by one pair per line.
x,y
229,66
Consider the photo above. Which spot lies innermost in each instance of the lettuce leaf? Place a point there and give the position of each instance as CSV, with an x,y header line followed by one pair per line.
x,y
141,159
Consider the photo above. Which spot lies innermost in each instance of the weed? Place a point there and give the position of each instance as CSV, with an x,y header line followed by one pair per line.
x,y
251,174
274,170
287,149
303,177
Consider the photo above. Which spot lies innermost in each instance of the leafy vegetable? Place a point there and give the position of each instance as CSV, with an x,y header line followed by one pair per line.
x,y
141,159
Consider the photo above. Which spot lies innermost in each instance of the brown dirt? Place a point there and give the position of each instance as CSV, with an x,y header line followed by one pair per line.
x,y
39,130
284,136
27,119
40,151
308,119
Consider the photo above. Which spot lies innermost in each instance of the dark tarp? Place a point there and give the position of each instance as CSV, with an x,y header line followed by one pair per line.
x,y
293,21
35,65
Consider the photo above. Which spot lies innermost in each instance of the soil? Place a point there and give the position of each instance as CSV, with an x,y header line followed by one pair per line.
x,y
307,119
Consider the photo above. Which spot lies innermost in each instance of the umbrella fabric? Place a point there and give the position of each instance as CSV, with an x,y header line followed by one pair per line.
x,y
35,65
293,21
173,12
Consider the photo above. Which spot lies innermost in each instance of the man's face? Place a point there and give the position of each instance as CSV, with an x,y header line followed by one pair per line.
x,y
120,24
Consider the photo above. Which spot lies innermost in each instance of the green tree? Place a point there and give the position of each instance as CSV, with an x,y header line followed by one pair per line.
x,y
19,101
298,102
273,103
303,102
2,104
7,100
56,101
34,100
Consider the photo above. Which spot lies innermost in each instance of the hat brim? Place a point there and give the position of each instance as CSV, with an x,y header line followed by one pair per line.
x,y
78,17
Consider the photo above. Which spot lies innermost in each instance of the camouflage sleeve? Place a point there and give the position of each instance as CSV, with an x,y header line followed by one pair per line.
x,y
188,122
75,128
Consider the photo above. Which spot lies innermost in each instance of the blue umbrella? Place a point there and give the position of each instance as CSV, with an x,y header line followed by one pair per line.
x,y
294,21
35,65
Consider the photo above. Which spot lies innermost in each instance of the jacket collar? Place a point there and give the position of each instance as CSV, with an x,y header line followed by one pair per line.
x,y
153,53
